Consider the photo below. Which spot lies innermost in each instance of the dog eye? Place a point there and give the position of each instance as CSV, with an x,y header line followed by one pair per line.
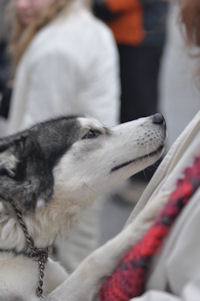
x,y
92,134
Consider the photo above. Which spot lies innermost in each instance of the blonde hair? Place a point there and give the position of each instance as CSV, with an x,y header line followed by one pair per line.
x,y
22,35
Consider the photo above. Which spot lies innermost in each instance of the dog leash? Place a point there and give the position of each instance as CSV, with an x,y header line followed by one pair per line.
x,y
31,251
37,254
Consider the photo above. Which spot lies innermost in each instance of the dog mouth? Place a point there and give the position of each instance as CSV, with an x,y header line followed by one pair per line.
x,y
152,154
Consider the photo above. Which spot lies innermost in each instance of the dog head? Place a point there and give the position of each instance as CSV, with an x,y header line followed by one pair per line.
x,y
69,161
76,154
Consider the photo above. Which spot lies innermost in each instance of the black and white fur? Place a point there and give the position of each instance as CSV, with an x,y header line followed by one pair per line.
x,y
53,171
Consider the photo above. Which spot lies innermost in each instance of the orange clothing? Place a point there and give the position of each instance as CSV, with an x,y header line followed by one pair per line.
x,y
128,26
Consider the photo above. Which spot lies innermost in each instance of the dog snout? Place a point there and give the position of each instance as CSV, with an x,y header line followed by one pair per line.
x,y
158,119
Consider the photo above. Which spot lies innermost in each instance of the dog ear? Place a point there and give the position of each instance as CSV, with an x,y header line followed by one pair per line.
x,y
24,177
13,186
10,148
8,169
8,162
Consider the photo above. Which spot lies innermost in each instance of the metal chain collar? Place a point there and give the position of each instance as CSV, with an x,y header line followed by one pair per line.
x,y
37,254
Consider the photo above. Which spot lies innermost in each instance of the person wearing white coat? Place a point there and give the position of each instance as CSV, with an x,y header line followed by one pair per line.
x,y
70,67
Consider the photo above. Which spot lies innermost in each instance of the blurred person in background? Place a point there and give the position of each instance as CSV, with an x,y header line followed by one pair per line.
x,y
139,30
65,62
56,69
139,27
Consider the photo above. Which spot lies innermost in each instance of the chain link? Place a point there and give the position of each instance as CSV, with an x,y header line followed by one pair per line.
x,y
39,255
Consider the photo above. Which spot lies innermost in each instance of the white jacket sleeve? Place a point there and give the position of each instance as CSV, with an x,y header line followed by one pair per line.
x,y
179,266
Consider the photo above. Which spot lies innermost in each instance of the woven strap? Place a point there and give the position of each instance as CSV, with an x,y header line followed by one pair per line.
x,y
130,277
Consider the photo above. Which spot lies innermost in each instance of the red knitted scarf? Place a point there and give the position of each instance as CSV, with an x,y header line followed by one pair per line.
x,y
129,279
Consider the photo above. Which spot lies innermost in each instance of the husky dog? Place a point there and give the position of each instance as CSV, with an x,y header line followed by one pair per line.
x,y
48,175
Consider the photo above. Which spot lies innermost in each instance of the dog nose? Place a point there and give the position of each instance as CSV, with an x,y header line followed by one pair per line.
x,y
158,119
